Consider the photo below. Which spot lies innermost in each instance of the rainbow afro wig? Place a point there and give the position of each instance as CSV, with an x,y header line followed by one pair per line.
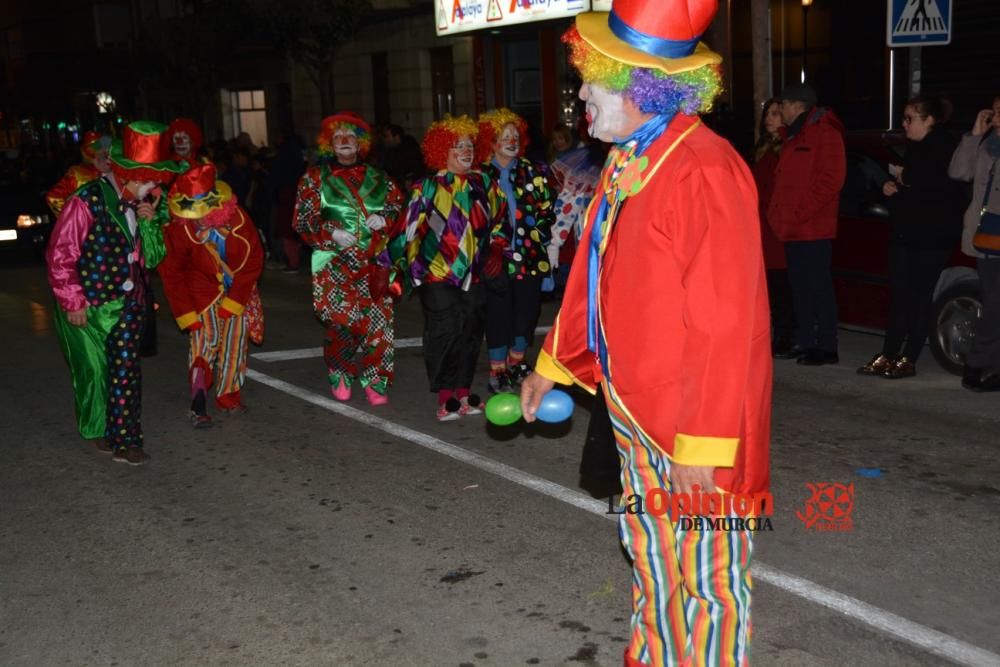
x,y
347,120
442,136
650,90
491,124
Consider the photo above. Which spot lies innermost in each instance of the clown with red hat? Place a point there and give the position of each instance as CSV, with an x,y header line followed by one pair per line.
x,y
108,235
348,211
513,302
94,151
666,315
214,258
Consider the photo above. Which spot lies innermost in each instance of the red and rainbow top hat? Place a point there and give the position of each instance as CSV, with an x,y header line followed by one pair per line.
x,y
655,34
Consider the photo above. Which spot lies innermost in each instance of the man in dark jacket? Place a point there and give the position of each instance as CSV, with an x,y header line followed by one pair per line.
x,y
803,214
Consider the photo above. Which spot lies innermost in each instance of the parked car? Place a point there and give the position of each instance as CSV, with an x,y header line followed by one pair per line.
x,y
861,257
25,220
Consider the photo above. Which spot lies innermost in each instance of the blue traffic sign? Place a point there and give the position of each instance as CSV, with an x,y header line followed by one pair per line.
x,y
918,22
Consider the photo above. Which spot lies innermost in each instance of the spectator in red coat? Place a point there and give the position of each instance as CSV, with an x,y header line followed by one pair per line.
x,y
779,292
803,214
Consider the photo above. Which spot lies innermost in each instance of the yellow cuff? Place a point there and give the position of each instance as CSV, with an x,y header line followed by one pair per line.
x,y
545,366
232,306
187,319
697,450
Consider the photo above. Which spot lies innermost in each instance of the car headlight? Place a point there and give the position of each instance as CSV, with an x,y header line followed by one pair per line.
x,y
25,221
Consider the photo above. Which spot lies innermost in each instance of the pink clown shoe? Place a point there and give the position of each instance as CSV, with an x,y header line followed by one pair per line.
x,y
341,392
375,398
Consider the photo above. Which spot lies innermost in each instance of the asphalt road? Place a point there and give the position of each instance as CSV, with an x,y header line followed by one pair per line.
x,y
307,533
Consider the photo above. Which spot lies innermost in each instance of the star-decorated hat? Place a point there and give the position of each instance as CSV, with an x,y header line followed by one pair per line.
x,y
654,34
139,154
196,193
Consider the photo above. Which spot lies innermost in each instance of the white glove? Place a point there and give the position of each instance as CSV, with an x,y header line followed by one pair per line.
x,y
343,239
375,222
553,251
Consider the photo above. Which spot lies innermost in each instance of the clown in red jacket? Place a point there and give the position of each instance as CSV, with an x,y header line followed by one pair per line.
x,y
665,312
214,259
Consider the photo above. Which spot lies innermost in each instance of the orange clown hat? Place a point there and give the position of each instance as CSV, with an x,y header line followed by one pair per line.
x,y
654,34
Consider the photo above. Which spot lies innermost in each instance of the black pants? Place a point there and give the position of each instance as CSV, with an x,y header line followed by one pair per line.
x,y
984,352
913,274
812,293
779,294
453,333
512,309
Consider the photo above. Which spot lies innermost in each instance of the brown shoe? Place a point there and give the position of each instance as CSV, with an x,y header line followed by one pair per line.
x,y
134,456
102,446
901,368
877,366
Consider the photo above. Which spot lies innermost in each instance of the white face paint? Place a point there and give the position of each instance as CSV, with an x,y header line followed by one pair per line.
x,y
101,161
461,155
345,145
182,144
509,143
605,112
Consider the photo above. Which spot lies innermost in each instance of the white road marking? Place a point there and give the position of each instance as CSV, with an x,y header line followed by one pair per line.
x,y
930,640
314,352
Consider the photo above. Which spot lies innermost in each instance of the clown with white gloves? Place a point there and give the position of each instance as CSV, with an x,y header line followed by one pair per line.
x,y
347,212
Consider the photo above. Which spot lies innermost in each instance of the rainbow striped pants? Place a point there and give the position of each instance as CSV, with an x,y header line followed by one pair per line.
x,y
690,588
220,349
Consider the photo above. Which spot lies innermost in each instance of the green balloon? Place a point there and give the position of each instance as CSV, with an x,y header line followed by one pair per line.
x,y
503,409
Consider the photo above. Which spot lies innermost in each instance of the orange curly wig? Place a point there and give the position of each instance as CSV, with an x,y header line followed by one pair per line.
x,y
442,135
491,124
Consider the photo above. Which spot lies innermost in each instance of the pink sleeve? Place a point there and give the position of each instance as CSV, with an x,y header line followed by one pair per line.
x,y
63,252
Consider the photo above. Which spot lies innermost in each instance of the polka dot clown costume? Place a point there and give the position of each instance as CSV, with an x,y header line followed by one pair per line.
x,y
513,302
108,235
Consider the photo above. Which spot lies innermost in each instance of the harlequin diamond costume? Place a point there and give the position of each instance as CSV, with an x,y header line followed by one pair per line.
x,y
214,259
106,238
347,211
513,302
456,233
666,313
94,151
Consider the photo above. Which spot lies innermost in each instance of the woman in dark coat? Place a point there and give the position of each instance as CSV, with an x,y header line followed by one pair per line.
x,y
925,208
779,293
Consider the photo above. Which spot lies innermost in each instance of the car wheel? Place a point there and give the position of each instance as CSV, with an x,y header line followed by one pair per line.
x,y
953,320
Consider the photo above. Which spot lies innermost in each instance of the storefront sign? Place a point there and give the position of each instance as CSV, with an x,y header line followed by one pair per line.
x,y
454,16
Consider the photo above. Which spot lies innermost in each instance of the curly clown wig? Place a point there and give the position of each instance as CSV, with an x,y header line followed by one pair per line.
x,y
690,92
188,127
347,120
491,124
441,137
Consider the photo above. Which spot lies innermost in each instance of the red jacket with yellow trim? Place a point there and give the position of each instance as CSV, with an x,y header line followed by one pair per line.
x,y
191,277
683,305
75,178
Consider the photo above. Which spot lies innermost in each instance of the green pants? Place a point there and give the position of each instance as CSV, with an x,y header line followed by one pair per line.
x,y
85,349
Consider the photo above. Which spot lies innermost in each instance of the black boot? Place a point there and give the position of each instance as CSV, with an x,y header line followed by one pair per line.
x,y
199,411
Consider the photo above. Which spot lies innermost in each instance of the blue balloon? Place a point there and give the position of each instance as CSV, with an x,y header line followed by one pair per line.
x,y
556,406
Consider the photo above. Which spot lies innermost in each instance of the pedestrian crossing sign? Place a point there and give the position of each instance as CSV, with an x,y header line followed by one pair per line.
x,y
918,22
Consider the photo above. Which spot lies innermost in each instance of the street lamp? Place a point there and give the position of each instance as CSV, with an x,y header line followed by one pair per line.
x,y
805,35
